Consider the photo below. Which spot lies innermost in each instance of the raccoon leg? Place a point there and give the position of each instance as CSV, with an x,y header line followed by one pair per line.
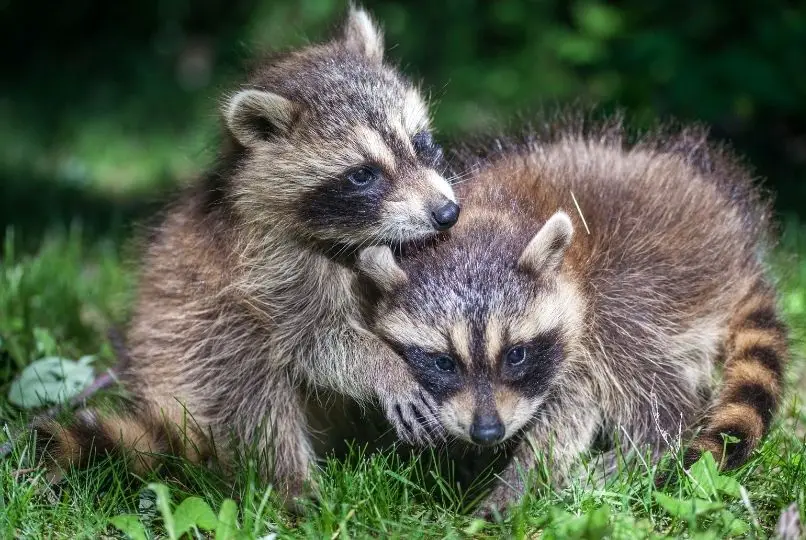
x,y
566,428
285,452
756,355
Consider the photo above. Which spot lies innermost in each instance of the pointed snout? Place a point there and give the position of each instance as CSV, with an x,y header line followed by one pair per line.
x,y
486,429
445,216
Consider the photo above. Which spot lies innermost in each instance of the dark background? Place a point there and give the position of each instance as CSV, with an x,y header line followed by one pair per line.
x,y
105,104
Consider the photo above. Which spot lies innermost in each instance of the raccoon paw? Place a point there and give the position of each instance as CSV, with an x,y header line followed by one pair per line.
x,y
414,418
499,500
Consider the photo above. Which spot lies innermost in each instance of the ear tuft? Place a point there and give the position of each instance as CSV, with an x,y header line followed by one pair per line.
x,y
363,36
253,116
546,249
379,265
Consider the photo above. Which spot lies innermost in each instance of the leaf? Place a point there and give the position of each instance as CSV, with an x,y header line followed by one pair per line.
x,y
130,525
594,525
227,527
708,479
598,525
50,380
475,527
164,505
686,509
732,525
194,512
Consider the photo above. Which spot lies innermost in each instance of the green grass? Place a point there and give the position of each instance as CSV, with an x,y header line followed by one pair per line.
x,y
60,297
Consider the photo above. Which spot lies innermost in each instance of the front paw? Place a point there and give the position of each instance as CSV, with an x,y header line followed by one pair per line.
x,y
414,417
297,494
500,499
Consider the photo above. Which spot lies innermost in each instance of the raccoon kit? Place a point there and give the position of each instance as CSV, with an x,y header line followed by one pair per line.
x,y
247,299
535,326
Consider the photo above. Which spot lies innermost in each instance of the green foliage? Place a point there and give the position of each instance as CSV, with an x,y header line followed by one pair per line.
x,y
51,380
60,301
119,104
105,110
192,514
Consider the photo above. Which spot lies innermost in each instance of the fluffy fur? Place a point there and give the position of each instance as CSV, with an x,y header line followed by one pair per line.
x,y
539,327
247,303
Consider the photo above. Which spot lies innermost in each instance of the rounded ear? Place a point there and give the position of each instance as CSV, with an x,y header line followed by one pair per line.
x,y
546,249
379,265
362,35
253,116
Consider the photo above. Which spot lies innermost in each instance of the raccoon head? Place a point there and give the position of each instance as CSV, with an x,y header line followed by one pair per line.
x,y
485,322
334,145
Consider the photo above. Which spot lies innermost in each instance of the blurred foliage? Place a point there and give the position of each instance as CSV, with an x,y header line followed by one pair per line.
x,y
115,98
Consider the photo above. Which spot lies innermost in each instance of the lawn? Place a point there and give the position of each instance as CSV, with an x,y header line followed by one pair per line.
x,y
61,291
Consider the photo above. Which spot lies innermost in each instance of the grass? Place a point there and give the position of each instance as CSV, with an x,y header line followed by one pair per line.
x,y
60,297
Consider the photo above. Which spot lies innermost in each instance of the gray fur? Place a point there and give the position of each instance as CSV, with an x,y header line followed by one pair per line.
x,y
248,305
646,302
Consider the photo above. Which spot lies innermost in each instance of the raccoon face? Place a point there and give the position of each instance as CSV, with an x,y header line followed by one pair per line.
x,y
337,147
485,332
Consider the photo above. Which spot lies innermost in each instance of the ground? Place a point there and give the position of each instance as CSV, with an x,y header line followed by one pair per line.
x,y
58,294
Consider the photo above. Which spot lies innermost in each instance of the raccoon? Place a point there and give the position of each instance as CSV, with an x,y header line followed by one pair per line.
x,y
247,301
538,325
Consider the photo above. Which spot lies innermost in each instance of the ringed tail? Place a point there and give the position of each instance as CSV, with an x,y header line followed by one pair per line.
x,y
755,360
90,435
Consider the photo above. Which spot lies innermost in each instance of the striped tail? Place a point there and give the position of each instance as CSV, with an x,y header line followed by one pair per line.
x,y
756,357
138,438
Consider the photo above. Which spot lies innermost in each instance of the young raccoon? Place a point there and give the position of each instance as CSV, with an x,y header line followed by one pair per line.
x,y
523,330
247,299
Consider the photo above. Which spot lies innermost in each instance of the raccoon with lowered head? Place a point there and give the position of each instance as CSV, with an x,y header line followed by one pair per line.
x,y
247,300
537,326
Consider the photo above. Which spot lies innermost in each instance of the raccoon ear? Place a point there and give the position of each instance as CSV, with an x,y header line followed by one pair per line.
x,y
379,265
546,249
362,35
253,116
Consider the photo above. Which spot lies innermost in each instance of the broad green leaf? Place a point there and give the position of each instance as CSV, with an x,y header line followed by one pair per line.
x,y
594,525
164,505
598,525
194,512
50,380
227,527
130,525
709,481
686,508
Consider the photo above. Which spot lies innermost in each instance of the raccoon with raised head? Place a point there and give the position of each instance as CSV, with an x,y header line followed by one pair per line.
x,y
535,326
247,301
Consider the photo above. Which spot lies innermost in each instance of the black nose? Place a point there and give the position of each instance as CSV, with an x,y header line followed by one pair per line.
x,y
445,216
486,430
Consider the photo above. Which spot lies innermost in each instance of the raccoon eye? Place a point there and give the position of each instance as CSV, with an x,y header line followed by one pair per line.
x,y
516,355
425,147
445,363
363,176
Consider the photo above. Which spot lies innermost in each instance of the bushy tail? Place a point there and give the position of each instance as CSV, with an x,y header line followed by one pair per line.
x,y
756,356
137,437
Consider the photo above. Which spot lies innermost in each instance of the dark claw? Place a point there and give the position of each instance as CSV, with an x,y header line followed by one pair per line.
x,y
406,425
418,415
427,405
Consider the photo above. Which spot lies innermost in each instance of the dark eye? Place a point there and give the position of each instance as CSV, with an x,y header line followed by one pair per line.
x,y
445,363
426,149
363,176
516,355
